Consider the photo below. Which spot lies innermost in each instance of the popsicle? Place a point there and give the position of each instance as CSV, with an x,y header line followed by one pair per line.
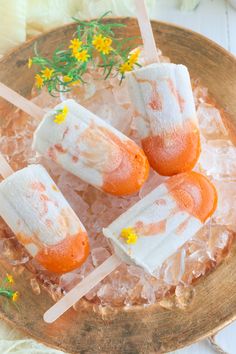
x,y
150,231
41,218
165,114
86,146
160,223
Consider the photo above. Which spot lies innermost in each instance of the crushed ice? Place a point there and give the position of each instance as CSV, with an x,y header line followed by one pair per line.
x,y
128,285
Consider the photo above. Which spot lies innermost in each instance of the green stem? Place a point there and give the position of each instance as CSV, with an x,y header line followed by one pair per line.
x,y
6,293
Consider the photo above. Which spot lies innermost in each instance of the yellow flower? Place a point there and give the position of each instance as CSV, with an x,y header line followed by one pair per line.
x,y
133,57
106,46
67,78
15,296
74,83
82,55
102,44
75,45
129,235
9,279
47,73
98,41
38,81
132,239
126,66
54,187
61,115
30,62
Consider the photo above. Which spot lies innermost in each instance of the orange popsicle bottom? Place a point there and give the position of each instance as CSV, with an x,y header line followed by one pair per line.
x,y
133,171
67,255
195,193
175,152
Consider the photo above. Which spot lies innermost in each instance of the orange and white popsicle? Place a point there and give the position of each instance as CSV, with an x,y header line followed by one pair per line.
x,y
155,227
91,149
41,218
165,113
150,231
86,146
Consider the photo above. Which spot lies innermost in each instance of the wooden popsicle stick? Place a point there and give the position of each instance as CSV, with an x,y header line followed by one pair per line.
x,y
5,168
20,102
82,289
145,27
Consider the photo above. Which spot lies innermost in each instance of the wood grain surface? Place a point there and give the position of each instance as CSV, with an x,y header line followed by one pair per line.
x,y
137,330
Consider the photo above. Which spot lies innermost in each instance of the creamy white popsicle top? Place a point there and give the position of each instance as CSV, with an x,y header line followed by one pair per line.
x,y
165,116
42,220
155,227
91,149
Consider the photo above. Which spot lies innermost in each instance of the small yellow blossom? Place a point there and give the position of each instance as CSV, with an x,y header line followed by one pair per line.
x,y
39,81
132,239
15,296
61,115
54,187
106,47
75,83
30,62
102,44
67,78
126,66
82,55
9,279
129,235
134,56
98,41
75,45
47,73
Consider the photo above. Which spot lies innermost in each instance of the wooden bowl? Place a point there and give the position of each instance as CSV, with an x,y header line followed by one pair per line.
x,y
138,330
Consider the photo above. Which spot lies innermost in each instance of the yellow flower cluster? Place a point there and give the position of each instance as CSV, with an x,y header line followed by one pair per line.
x,y
128,65
61,115
46,75
102,44
129,235
94,45
77,52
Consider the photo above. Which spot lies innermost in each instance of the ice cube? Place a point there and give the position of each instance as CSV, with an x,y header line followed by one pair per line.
x,y
210,121
218,159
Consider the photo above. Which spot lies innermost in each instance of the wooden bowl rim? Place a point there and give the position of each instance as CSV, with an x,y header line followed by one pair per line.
x,y
224,51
